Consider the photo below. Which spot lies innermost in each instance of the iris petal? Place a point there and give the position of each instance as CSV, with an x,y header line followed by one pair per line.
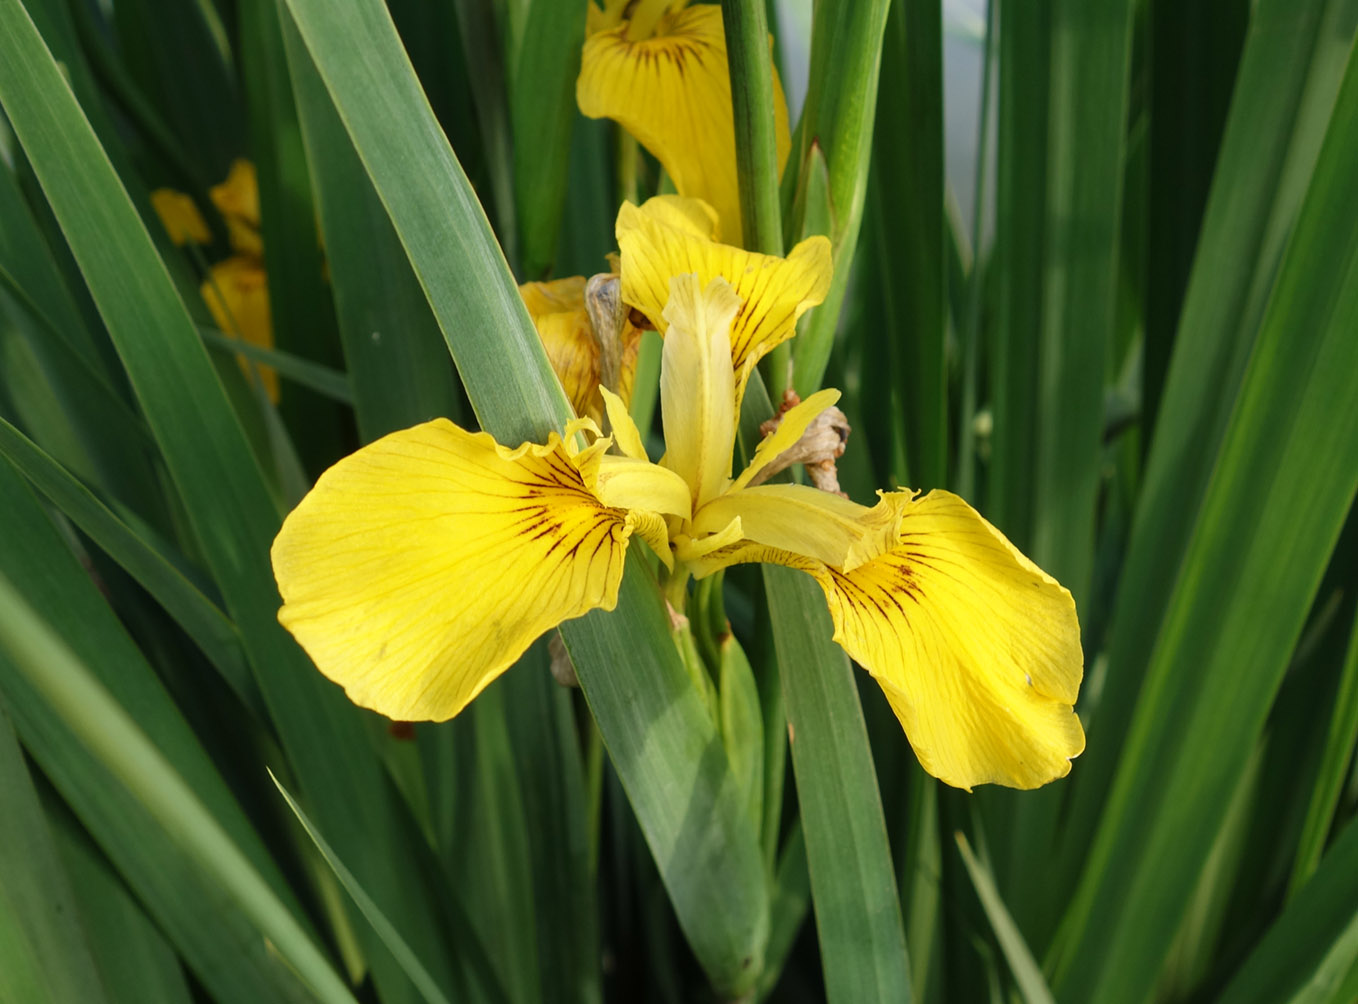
x,y
805,521
790,428
421,567
628,483
976,648
660,239
558,312
625,431
697,387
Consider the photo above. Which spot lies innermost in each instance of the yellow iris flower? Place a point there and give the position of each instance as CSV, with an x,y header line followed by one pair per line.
x,y
421,567
659,69
237,288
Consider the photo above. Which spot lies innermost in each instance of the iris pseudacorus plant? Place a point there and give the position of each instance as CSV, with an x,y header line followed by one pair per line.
x,y
421,567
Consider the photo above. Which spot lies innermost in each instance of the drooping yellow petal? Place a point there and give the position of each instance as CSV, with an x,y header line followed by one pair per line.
x,y
976,648
672,91
237,294
237,199
794,422
697,387
422,566
558,312
774,292
180,217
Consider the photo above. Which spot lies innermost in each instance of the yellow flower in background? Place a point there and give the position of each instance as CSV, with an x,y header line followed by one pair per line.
x,y
659,69
237,199
576,348
237,288
180,217
421,567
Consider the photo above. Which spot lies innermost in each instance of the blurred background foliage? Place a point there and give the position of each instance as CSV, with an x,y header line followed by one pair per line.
x,y
1107,290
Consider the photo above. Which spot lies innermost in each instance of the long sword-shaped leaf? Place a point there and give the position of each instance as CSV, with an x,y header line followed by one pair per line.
x,y
1294,58
665,746
1340,740
109,733
395,355
908,357
1272,511
215,938
1020,219
853,885
1090,71
303,314
1074,290
223,490
1027,973
202,619
542,113
419,976
136,962
747,48
1313,945
842,95
43,952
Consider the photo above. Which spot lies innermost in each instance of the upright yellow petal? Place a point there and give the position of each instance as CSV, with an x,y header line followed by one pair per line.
x,y
660,239
421,567
237,294
672,91
697,387
625,431
180,217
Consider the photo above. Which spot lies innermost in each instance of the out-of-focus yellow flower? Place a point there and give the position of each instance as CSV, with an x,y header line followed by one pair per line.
x,y
574,345
236,289
237,294
180,217
237,199
661,72
421,567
